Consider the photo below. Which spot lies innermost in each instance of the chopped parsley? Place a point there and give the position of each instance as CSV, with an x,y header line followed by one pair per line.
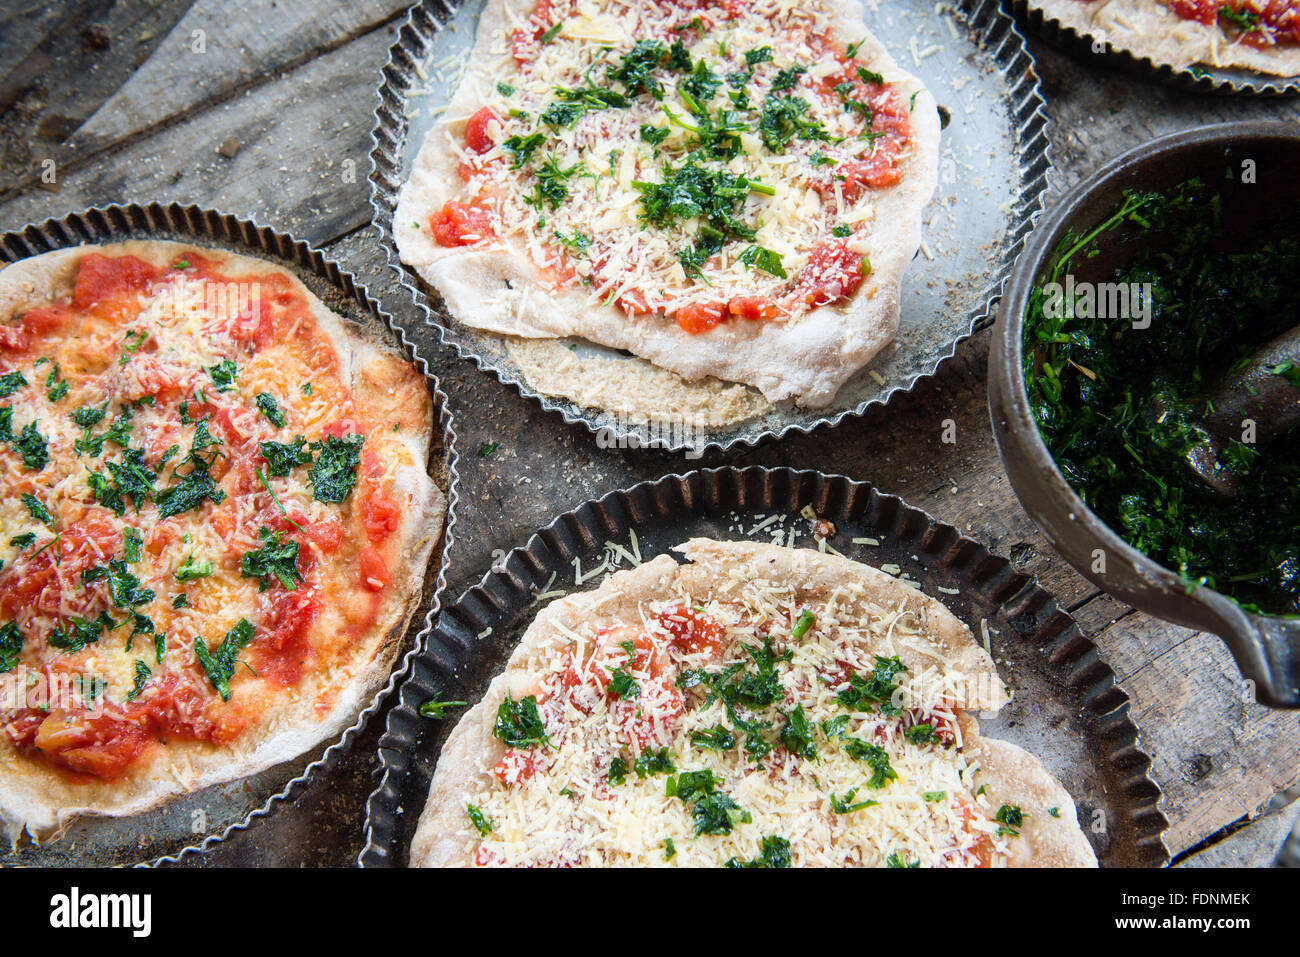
x,y
797,735
77,633
766,260
129,481
334,473
717,738
436,708
519,725
87,415
11,644
876,757
714,812
650,762
281,457
896,860
522,147
11,382
220,665
878,689
132,540
481,823
142,675
622,685
31,448
267,405
37,510
223,374
783,119
275,559
774,851
1011,818
921,734
618,772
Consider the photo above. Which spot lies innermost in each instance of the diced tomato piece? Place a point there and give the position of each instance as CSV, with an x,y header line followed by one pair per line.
x,y
524,40
37,587
281,648
633,302
692,631
477,137
516,766
753,307
104,277
373,570
945,728
101,745
696,318
459,224
651,718
982,850
833,273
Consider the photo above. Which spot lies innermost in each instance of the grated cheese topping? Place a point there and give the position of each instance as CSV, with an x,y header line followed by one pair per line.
x,y
654,756
597,106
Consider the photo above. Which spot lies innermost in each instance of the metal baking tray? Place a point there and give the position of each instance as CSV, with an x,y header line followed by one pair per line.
x,y
194,823
1066,708
992,176
1225,82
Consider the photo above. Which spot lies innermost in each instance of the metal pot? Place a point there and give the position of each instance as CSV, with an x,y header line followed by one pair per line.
x,y
1267,648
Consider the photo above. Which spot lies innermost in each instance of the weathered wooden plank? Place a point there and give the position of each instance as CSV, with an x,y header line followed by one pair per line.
x,y
301,164
1218,755
215,51
1254,844
76,62
24,27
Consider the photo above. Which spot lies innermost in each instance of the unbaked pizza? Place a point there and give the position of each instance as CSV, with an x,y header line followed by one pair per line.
x,y
215,522
1258,35
758,706
730,189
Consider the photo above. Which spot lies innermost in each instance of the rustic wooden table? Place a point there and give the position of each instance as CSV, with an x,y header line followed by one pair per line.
x,y
263,109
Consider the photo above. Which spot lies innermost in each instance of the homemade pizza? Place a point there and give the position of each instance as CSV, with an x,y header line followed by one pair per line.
x,y
729,189
759,706
216,519
1259,35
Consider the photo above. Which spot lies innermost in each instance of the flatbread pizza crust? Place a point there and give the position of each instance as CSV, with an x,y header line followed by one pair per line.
x,y
445,836
1149,30
41,801
807,360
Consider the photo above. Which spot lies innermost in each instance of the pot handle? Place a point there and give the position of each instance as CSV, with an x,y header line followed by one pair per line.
x,y
1277,673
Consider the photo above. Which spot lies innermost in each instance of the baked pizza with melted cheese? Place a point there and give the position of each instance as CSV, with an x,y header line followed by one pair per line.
x,y
756,706
216,518
729,189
